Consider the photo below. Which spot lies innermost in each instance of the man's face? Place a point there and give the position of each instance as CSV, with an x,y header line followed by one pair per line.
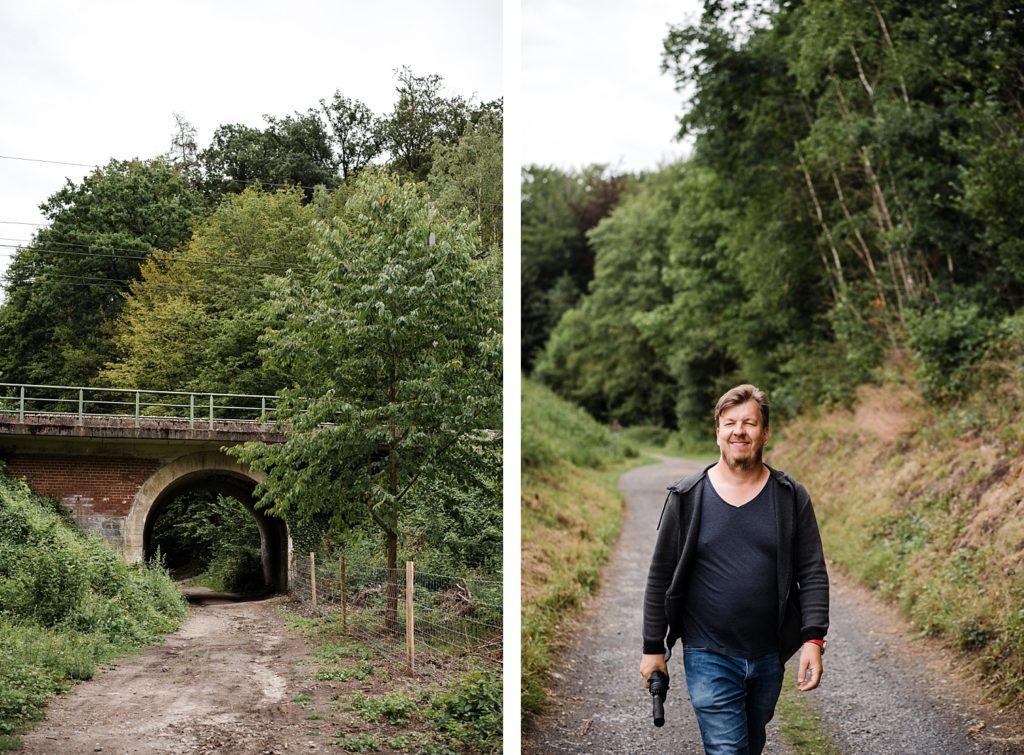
x,y
741,436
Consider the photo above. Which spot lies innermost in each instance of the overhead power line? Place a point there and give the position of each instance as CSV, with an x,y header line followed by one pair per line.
x,y
50,162
244,181
279,267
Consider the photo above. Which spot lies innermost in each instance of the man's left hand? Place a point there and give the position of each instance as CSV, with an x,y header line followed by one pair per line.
x,y
810,659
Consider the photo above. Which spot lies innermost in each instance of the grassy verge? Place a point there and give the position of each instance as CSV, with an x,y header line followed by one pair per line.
x,y
67,604
571,518
357,703
571,515
924,504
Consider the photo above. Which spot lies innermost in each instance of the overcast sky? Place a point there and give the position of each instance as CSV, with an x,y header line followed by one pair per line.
x,y
85,82
592,87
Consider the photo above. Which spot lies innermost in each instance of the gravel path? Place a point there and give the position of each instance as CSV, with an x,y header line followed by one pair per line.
x,y
599,703
883,692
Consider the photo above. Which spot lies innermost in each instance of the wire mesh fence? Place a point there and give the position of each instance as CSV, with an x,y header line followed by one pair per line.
x,y
443,621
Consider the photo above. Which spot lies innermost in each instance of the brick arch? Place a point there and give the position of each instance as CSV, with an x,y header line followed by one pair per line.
x,y
209,470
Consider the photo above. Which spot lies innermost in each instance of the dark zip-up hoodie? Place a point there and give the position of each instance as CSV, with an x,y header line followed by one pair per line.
x,y
802,577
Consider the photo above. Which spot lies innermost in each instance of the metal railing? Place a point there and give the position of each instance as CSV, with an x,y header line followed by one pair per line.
x,y
198,409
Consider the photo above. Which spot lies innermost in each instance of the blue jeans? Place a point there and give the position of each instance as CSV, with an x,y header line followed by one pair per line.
x,y
734,699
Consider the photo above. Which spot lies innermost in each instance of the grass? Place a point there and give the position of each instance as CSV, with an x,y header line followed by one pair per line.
x,y
800,723
571,516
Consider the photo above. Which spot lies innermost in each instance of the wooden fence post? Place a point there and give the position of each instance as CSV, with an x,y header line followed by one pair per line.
x,y
312,579
410,633
341,586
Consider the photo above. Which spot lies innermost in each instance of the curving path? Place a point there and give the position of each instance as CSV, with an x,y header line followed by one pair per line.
x,y
883,692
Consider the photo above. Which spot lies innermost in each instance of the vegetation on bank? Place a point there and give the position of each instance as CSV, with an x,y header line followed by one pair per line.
x,y
571,515
923,502
67,603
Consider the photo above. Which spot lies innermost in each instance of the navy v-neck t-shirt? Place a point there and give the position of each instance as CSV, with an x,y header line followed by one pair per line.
x,y
732,594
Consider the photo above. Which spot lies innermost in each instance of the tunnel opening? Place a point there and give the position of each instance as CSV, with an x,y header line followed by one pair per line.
x,y
206,529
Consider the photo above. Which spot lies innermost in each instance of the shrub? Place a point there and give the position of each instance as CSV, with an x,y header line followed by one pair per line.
x,y
470,711
948,343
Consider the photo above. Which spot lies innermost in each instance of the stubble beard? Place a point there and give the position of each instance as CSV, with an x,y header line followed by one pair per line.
x,y
745,464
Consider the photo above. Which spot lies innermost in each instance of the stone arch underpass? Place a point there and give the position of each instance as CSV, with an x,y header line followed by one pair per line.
x,y
115,475
213,470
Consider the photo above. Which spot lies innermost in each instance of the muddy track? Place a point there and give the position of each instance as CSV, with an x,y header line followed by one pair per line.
x,y
221,683
884,690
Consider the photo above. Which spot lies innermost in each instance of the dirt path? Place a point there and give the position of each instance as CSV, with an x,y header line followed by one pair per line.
x,y
883,692
221,683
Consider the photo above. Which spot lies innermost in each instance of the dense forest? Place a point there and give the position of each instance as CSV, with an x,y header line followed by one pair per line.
x,y
345,260
853,194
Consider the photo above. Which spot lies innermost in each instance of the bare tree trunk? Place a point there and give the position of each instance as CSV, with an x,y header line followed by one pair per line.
x,y
840,279
892,51
901,279
390,535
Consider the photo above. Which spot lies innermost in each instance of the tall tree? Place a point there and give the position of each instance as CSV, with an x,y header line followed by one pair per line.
x,y
193,322
597,355
291,151
421,116
65,289
356,133
558,208
467,175
184,152
394,352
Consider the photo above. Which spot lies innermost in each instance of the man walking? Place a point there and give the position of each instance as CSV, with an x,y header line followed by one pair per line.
x,y
738,575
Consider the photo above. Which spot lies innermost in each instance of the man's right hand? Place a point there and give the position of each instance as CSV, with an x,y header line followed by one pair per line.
x,y
651,663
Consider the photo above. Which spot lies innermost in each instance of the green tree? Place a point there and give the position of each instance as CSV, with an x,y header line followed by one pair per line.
x,y
356,133
291,151
394,352
468,175
597,355
65,289
558,208
193,322
421,116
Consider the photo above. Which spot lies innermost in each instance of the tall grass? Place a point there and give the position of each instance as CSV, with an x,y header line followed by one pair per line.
x,y
67,602
571,515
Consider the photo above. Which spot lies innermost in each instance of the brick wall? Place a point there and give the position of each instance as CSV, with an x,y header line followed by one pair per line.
x,y
86,485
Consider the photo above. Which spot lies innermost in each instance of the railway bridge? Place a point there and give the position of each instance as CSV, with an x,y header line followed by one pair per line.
x,y
115,458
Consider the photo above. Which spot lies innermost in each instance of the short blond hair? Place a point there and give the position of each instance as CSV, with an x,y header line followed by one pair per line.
x,y
741,394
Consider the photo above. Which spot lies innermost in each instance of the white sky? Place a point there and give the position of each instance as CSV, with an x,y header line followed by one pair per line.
x,y
85,82
592,87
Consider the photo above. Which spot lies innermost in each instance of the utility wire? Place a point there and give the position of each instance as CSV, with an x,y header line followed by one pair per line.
x,y
50,162
224,180
122,283
281,267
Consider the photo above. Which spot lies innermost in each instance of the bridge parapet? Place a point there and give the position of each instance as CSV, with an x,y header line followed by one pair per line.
x,y
78,411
